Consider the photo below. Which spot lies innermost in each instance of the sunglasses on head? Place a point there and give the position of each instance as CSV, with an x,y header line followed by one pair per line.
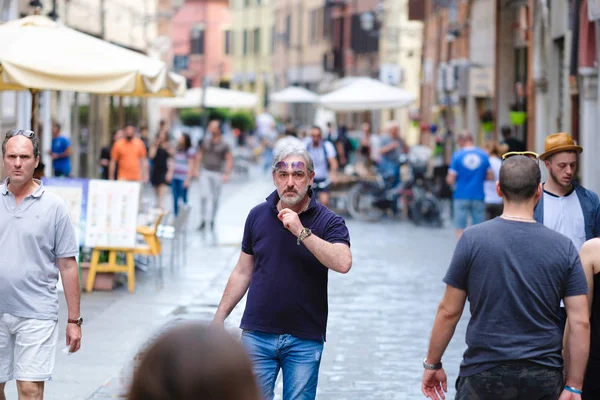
x,y
15,132
296,165
531,154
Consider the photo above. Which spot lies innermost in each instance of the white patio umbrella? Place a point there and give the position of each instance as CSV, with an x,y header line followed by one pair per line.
x,y
364,94
215,97
294,94
40,54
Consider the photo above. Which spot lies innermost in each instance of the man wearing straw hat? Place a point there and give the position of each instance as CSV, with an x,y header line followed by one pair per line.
x,y
566,206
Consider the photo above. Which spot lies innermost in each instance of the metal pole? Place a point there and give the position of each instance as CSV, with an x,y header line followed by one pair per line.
x,y
203,105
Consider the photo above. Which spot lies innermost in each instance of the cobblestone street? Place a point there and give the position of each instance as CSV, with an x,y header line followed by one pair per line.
x,y
380,317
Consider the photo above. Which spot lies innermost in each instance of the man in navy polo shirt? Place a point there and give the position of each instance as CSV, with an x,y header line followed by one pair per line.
x,y
290,243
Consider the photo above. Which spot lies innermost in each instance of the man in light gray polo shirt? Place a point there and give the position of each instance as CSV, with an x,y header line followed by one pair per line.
x,y
37,241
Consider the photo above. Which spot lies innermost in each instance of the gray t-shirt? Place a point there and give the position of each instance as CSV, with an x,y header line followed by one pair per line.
x,y
213,154
515,275
33,235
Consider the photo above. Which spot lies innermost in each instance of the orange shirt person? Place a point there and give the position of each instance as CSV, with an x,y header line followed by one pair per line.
x,y
130,154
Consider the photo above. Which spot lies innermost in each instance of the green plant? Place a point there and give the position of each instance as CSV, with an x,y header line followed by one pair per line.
x,y
83,115
221,114
190,117
242,120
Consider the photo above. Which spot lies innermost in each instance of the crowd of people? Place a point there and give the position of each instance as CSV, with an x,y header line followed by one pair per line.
x,y
529,272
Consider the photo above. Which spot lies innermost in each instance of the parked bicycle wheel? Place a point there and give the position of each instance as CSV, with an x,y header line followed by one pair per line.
x,y
361,203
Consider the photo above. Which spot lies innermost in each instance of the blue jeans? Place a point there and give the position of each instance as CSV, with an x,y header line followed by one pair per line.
x,y
464,207
179,191
299,360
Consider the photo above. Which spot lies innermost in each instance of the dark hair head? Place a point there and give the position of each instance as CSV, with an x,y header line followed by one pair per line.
x,y
194,361
35,141
187,141
520,178
506,130
317,127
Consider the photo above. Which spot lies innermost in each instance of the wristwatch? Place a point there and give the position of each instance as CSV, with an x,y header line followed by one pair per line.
x,y
303,235
78,321
432,366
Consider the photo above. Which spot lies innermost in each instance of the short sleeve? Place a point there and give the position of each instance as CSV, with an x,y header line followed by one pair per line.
x,y
458,273
247,241
330,149
455,163
65,244
66,144
576,282
336,231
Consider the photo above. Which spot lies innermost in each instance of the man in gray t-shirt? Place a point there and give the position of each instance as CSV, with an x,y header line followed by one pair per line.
x,y
37,242
216,161
514,272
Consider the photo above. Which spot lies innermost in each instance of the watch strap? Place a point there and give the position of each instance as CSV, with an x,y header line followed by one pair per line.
x,y
432,366
303,235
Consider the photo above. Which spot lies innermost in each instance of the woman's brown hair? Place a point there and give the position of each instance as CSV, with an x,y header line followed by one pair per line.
x,y
194,362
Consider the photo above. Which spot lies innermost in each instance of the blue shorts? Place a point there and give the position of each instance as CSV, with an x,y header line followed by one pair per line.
x,y
464,208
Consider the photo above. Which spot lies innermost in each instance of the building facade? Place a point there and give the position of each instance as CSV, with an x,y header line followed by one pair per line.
x,y
400,46
526,64
201,37
252,47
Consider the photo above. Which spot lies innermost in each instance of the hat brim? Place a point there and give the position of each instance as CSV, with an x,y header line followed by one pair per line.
x,y
560,149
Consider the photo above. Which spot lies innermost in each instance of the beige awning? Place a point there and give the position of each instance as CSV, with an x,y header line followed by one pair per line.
x,y
38,53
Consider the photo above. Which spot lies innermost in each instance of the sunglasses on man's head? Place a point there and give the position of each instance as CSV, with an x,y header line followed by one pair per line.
x,y
296,165
531,154
15,132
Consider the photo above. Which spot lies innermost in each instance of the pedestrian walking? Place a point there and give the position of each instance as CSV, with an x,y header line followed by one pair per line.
x,y
469,169
566,206
216,164
290,243
160,153
590,259
37,242
512,143
493,202
60,152
130,154
391,147
181,170
514,272
323,154
193,362
104,161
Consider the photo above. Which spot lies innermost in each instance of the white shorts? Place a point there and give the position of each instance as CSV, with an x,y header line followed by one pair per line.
x,y
27,348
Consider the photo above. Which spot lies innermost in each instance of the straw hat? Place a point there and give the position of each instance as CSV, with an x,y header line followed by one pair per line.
x,y
557,143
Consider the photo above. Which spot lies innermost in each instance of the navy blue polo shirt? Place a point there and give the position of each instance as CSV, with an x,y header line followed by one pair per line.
x,y
288,290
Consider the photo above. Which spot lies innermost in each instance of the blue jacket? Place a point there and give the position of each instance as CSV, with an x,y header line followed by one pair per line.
x,y
590,205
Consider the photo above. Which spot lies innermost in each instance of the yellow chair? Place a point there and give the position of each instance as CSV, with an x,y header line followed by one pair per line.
x,y
151,248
